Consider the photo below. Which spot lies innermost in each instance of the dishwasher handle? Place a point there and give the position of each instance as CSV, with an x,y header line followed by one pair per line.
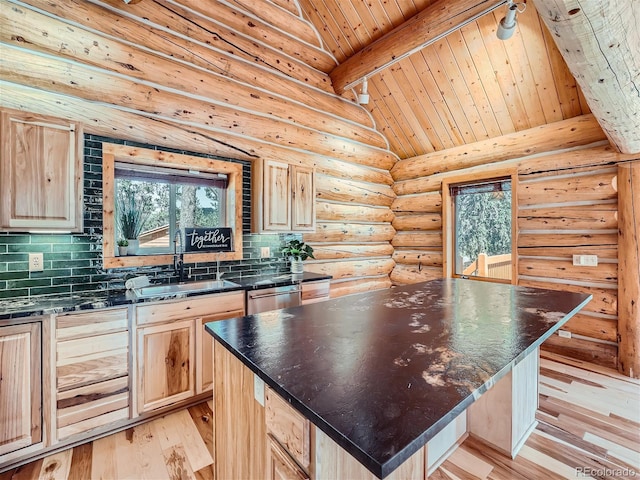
x,y
276,294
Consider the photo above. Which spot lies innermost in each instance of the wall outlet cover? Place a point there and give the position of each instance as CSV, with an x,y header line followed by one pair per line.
x,y
265,252
36,262
258,389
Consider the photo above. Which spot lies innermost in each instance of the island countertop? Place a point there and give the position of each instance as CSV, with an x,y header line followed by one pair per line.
x,y
381,373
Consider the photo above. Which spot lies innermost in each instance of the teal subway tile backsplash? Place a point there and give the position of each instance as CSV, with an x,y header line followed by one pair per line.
x,y
73,262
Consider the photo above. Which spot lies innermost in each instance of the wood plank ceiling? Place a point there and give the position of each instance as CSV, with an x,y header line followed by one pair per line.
x,y
467,87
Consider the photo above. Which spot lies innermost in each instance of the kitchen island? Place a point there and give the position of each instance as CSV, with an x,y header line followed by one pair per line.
x,y
388,381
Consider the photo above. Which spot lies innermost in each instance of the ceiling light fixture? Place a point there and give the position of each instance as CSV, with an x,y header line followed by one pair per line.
x,y
507,25
363,96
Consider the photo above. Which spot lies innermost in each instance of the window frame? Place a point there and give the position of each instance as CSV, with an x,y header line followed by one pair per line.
x,y
112,153
173,179
448,221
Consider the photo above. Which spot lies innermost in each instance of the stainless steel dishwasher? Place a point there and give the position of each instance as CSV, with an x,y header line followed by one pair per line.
x,y
266,299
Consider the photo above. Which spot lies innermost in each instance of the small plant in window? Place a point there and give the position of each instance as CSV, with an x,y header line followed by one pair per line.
x,y
132,220
123,243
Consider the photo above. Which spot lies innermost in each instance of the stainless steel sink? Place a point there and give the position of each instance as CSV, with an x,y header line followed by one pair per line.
x,y
189,287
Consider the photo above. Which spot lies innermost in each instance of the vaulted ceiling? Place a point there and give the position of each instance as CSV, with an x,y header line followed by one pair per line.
x,y
467,87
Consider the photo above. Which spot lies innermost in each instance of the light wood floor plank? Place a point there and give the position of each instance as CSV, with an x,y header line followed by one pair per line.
x,y
584,422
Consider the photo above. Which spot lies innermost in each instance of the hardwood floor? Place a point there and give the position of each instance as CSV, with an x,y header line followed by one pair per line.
x,y
589,427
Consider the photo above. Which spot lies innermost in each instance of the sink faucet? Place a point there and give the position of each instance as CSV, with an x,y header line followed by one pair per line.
x,y
178,258
218,274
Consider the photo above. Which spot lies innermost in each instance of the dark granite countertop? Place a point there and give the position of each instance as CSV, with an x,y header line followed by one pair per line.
x,y
35,306
382,372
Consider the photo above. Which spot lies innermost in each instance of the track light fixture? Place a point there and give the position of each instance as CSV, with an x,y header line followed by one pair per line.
x,y
363,96
507,25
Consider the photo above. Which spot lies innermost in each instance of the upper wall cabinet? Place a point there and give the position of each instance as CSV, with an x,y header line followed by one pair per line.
x,y
40,173
283,197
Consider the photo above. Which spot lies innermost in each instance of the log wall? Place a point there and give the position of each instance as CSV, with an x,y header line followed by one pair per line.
x,y
567,204
241,80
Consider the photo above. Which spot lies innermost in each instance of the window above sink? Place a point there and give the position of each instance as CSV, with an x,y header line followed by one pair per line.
x,y
167,192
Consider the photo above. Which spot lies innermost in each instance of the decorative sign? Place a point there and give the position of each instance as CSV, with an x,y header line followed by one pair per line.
x,y
212,239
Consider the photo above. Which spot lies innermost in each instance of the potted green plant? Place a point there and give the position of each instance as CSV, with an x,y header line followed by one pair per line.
x,y
122,247
297,252
132,220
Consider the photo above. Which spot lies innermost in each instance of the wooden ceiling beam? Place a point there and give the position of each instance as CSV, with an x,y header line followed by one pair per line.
x,y
599,41
421,30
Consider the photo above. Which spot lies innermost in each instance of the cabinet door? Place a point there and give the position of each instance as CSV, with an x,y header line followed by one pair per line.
x,y
20,387
276,196
303,199
204,349
41,173
166,357
280,466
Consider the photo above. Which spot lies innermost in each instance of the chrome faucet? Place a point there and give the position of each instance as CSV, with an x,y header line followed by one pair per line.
x,y
218,274
178,258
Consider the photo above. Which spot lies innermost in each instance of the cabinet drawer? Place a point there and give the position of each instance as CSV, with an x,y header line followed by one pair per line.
x,y
189,308
77,406
315,291
89,324
287,426
280,466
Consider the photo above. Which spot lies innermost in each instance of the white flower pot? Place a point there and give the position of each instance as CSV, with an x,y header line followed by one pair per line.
x,y
122,251
296,265
132,249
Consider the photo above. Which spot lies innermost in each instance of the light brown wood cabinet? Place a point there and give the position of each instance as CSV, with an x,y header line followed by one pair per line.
x,y
40,173
174,353
20,387
166,363
92,370
283,197
280,465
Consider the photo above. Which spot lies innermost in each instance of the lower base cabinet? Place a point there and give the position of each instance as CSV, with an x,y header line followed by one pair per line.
x,y
166,364
280,465
20,388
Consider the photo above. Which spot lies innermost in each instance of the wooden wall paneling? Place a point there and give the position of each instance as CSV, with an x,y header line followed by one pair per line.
x,y
431,183
407,104
423,202
334,211
468,70
427,112
276,36
418,239
166,62
354,232
28,69
593,326
587,217
445,124
333,35
447,76
290,5
431,221
330,251
569,187
549,268
407,274
385,120
605,300
497,52
350,286
629,268
569,133
566,240
418,257
368,267
344,190
282,18
566,87
205,30
598,353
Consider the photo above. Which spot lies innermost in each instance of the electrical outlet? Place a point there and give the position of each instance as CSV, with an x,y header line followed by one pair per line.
x,y
564,333
36,262
585,260
265,252
258,389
